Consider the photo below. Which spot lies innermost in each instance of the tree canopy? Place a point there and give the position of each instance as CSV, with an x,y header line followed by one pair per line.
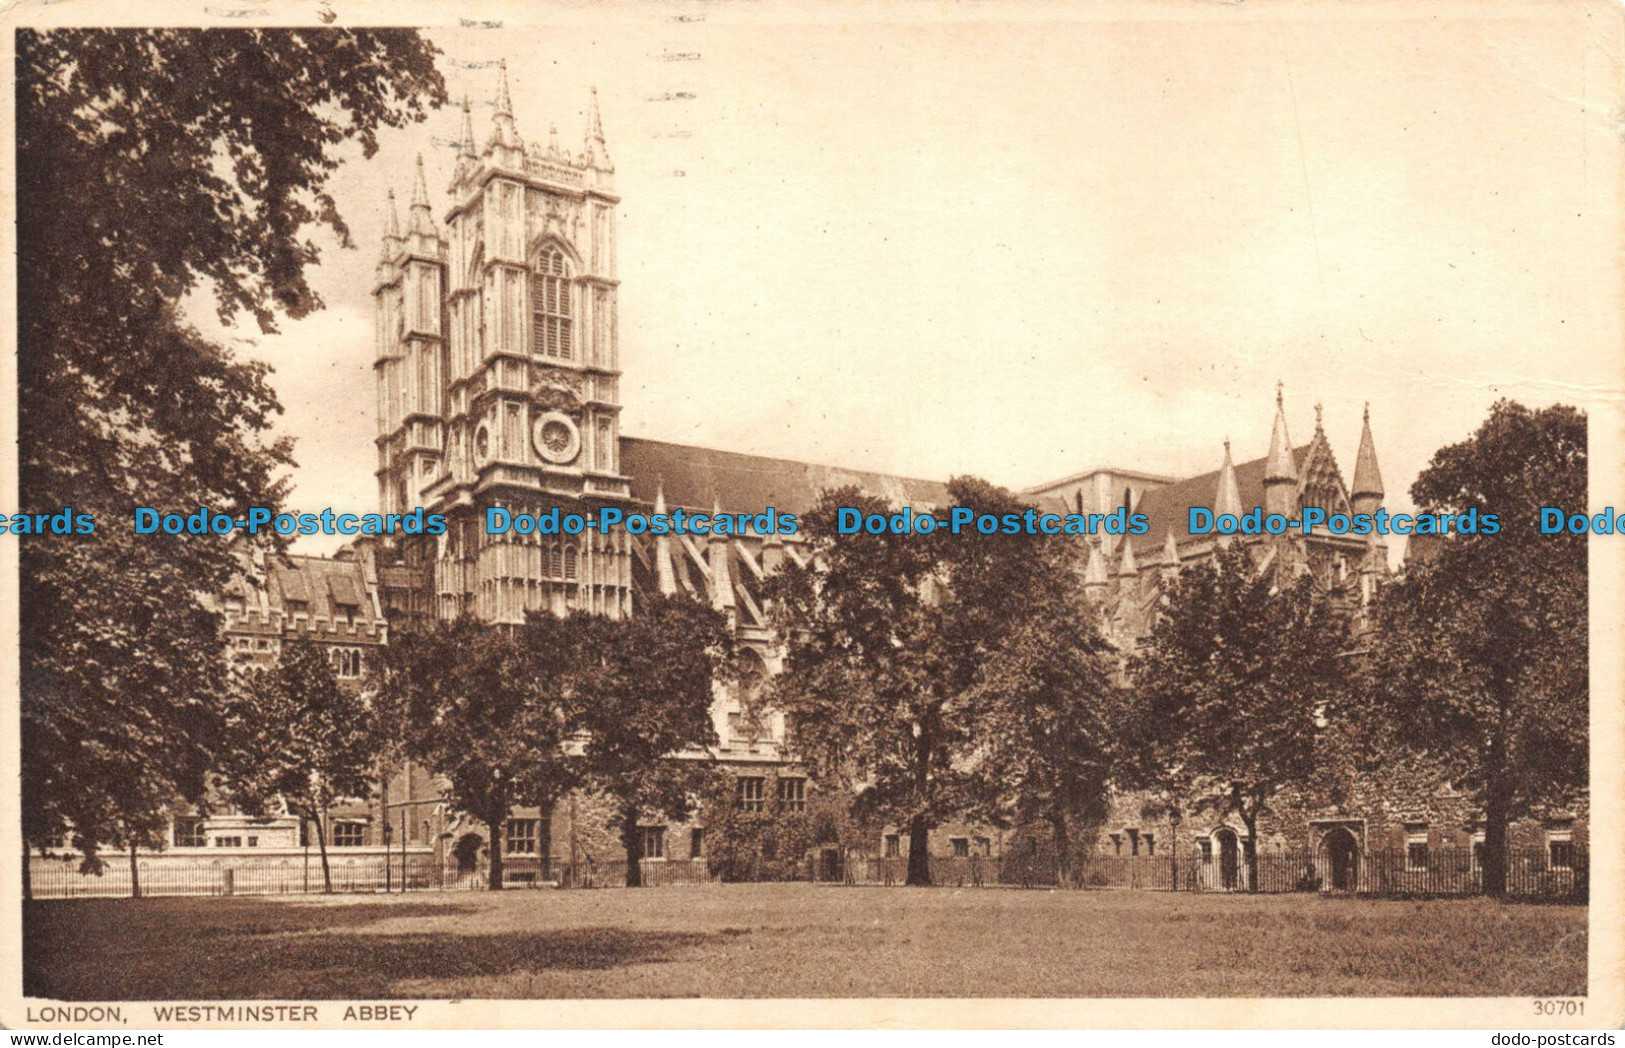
x,y
888,636
296,737
1231,687
151,164
490,710
1480,660
644,690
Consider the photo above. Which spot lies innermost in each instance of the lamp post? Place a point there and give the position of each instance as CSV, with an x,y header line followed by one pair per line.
x,y
388,833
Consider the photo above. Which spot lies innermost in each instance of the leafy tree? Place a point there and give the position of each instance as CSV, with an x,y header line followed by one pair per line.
x,y
644,695
887,635
1235,679
151,164
1480,659
1049,714
490,710
297,736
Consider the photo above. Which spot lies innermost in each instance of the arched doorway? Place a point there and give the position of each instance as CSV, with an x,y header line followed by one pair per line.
x,y
1340,852
1229,848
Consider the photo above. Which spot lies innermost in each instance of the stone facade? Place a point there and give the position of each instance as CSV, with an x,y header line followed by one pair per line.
x,y
497,373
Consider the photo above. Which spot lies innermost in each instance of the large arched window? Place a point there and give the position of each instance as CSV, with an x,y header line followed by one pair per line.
x,y
551,316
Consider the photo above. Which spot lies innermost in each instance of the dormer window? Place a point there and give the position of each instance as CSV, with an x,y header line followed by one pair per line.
x,y
551,315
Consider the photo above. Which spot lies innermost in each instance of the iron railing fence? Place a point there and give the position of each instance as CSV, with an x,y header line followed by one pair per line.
x,y
61,879
1531,872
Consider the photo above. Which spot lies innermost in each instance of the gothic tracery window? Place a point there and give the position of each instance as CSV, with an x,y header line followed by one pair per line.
x,y
551,314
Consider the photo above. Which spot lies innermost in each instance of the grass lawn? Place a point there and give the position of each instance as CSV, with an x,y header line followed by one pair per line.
x,y
797,940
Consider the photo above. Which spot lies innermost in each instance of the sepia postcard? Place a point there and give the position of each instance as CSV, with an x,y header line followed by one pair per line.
x,y
707,514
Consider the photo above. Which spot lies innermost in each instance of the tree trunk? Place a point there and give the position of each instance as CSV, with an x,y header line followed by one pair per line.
x,y
630,840
321,846
919,853
919,841
544,838
493,828
135,873
1249,848
1495,825
28,880
1063,860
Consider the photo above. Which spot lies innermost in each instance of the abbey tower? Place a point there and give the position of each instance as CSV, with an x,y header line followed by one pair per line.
x,y
497,372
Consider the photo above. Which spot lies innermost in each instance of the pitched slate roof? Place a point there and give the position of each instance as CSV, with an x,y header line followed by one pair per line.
x,y
1168,507
699,478
319,582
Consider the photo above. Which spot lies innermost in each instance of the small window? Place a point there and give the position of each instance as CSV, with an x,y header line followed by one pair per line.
x,y
653,842
793,794
253,842
1560,844
749,796
569,563
228,842
1416,846
519,837
894,846
696,842
983,846
1150,844
1134,842
264,644
1206,846
961,847
1117,844
349,834
346,662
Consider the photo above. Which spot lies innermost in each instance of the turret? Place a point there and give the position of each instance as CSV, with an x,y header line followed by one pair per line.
x,y
665,575
1095,577
1227,497
468,156
594,153
1365,495
505,147
1280,471
717,555
1126,567
1170,555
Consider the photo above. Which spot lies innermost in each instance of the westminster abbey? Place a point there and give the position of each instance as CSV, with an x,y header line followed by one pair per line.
x,y
498,383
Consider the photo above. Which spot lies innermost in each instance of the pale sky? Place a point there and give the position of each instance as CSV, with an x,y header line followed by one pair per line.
x,y
1022,241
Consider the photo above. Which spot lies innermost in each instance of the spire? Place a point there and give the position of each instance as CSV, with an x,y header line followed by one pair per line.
x,y
1095,573
504,106
722,583
468,156
1366,492
465,139
1127,566
392,229
1280,471
1228,497
422,220
1279,465
503,131
594,150
663,569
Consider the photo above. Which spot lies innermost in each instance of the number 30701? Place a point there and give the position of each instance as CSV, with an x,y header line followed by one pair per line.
x,y
1568,1007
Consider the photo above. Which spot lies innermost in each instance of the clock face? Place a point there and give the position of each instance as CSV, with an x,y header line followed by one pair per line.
x,y
556,438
